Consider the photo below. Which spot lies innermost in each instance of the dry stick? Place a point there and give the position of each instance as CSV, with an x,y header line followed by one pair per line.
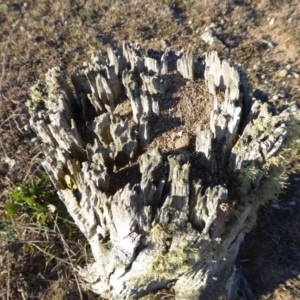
x,y
70,259
1,144
33,226
35,242
5,47
17,125
65,220
45,252
8,119
8,281
31,164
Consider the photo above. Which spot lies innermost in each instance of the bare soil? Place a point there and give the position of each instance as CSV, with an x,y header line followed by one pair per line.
x,y
262,36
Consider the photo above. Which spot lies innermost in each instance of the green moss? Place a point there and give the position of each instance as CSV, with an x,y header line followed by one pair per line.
x,y
85,15
168,261
36,16
250,222
3,7
95,42
118,266
170,264
76,34
37,94
272,172
16,16
158,236
291,149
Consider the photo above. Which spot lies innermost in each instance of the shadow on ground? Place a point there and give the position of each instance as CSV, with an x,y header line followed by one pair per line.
x,y
270,254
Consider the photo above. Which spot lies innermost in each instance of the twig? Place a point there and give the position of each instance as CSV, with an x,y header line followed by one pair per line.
x,y
5,47
8,282
53,256
12,115
3,148
71,263
31,164
17,125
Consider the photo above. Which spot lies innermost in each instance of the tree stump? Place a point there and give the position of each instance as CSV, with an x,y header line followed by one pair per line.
x,y
162,160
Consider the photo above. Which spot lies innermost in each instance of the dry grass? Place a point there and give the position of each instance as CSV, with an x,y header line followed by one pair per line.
x,y
37,35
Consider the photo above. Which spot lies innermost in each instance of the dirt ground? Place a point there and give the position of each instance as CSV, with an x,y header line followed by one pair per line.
x,y
262,36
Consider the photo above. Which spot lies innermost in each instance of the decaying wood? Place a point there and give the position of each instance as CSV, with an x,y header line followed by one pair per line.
x,y
180,223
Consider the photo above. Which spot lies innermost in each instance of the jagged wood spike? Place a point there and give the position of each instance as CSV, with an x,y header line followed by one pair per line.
x,y
91,73
67,136
117,61
101,155
60,96
133,92
151,165
126,146
154,84
132,55
38,124
101,127
185,65
152,65
144,133
203,148
176,207
164,63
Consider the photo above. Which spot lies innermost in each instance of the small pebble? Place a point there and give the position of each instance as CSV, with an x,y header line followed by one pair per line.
x,y
272,22
282,73
296,75
35,140
165,44
182,142
294,272
277,206
26,127
275,97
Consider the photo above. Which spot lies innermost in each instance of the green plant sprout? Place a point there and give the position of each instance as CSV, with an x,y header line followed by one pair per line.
x,y
34,200
36,16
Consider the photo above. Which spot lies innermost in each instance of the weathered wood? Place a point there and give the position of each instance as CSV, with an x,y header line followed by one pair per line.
x,y
106,86
126,146
117,61
203,147
185,65
133,57
181,220
154,84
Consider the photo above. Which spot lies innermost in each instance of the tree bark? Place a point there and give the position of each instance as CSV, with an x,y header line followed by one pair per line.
x,y
179,218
